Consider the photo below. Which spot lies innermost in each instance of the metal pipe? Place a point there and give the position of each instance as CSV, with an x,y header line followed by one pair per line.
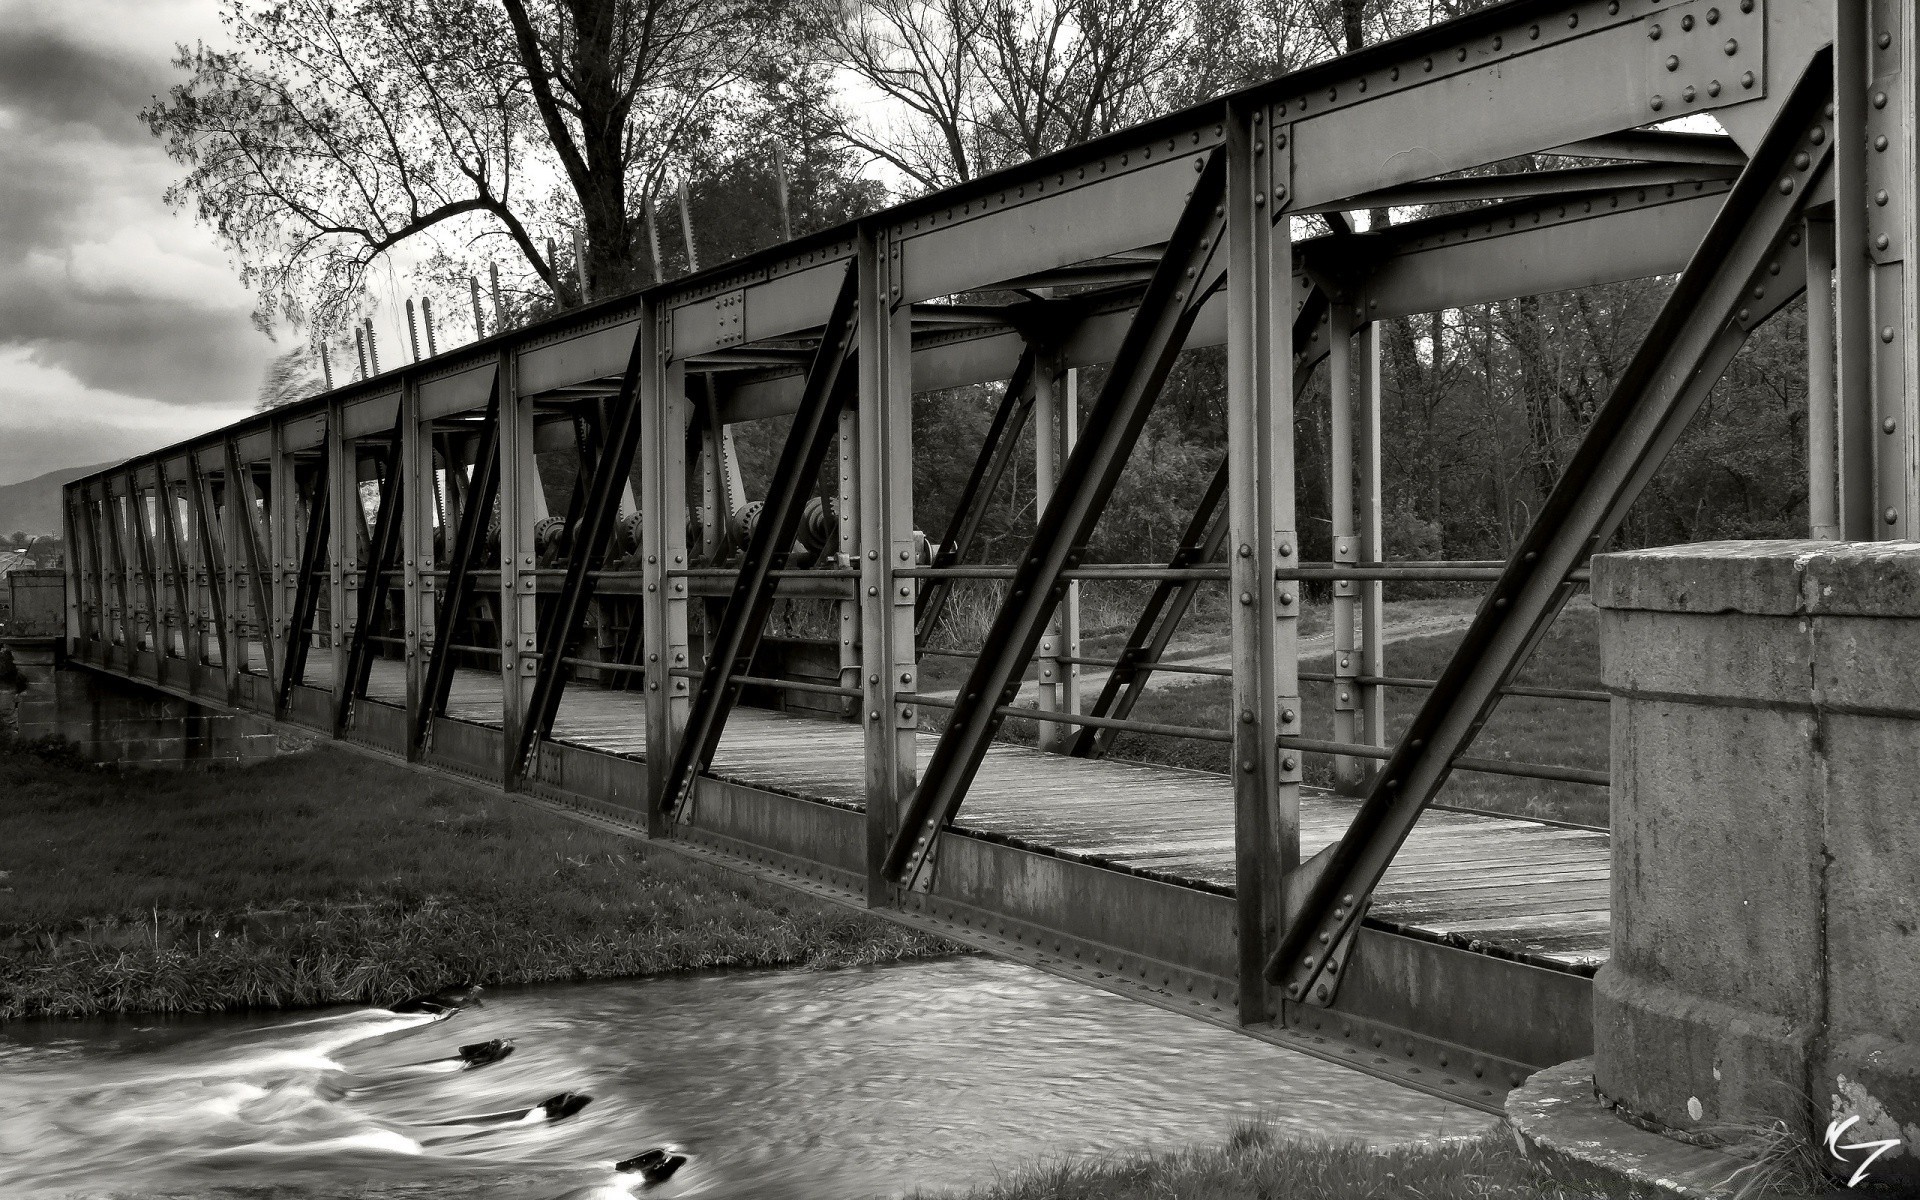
x,y
1348,775
1483,766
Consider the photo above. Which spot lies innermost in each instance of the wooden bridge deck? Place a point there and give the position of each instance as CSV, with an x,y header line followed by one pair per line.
x,y
1518,888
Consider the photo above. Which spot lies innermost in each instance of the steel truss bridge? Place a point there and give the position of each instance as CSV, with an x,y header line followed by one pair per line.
x,y
531,561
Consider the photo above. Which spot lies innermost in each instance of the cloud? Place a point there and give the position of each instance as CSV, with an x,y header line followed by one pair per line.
x,y
104,291
49,420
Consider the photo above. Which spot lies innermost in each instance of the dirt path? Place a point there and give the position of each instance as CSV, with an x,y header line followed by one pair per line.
x,y
1405,621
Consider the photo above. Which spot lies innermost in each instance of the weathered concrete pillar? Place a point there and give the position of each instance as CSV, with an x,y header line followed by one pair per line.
x,y
1766,824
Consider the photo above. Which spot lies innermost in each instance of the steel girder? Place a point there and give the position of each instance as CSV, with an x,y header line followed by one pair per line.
x,y
476,509
1189,269
1704,322
731,648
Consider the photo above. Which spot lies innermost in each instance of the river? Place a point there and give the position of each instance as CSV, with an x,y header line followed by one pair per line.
x,y
784,1085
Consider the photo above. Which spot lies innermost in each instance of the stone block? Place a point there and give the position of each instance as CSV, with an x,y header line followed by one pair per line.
x,y
1766,816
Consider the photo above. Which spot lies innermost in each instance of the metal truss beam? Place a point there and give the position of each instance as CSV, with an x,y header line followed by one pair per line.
x,y
1658,145
306,589
1570,181
599,507
1191,266
996,452
476,510
1703,323
381,556
731,648
1516,249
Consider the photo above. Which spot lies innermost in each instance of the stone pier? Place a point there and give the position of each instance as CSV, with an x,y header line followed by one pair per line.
x,y
1766,825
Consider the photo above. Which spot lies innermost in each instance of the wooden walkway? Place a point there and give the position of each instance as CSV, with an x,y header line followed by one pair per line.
x,y
1515,887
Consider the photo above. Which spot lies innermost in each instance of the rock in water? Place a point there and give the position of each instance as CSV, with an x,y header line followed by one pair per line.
x,y
479,1054
446,1000
655,1165
559,1108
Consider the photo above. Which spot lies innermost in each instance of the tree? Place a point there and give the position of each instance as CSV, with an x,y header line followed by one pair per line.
x,y
334,132
290,377
977,85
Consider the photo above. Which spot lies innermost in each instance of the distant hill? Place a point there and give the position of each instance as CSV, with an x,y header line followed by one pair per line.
x,y
33,505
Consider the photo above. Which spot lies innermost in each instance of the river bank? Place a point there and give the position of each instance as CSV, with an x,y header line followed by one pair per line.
x,y
1259,1163
326,877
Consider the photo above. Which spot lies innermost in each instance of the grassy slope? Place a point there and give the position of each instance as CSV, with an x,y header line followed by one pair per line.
x,y
1255,1165
1559,732
326,876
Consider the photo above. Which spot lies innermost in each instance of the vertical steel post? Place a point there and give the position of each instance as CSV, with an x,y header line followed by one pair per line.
x,y
1823,432
1853,282
283,542
74,578
182,578
1046,425
521,506
1070,603
229,526
144,530
343,525
1260,516
847,548
416,549
1894,232
196,568
1349,773
1369,437
663,536
886,543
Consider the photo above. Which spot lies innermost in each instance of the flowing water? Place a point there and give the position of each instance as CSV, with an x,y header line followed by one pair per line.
x,y
792,1085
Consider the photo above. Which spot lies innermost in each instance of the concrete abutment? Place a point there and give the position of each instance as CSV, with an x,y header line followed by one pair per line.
x,y
1765,969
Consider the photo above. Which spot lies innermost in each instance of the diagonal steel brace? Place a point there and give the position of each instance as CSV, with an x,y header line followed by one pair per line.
x,y
738,633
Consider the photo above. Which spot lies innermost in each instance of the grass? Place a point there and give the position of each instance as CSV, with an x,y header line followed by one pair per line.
x,y
1524,729
1255,1164
327,877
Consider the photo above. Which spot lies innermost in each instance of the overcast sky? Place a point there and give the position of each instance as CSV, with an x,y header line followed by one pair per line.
x,y
122,325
